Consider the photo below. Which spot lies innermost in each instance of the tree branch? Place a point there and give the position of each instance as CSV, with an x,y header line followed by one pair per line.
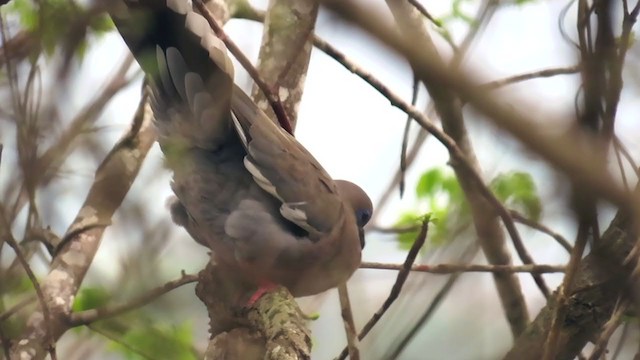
x,y
456,268
485,213
285,52
113,179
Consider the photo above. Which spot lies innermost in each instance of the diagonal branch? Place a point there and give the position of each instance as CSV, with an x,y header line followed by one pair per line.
x,y
88,316
273,98
113,179
485,212
402,276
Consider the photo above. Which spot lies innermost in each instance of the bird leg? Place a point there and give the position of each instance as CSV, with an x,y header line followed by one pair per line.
x,y
265,287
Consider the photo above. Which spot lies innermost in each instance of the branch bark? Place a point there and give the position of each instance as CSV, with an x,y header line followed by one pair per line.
x,y
599,282
285,52
73,258
273,328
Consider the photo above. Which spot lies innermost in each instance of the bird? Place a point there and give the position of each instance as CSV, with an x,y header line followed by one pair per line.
x,y
245,188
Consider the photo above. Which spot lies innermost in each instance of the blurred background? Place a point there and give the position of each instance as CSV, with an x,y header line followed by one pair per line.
x,y
357,135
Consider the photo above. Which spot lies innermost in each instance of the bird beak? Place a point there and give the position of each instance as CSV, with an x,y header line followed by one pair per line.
x,y
361,233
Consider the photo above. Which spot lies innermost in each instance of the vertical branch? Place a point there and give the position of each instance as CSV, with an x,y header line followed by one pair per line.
x,y
485,216
349,325
285,52
74,255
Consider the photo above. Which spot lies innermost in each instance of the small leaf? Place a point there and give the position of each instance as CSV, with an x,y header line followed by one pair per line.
x,y
408,219
430,182
91,298
158,342
101,24
517,190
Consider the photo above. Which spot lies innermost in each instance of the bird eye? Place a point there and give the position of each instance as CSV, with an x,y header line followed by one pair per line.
x,y
363,216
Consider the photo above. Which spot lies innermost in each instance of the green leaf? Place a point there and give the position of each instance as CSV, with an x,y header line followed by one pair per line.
x,y
523,2
408,219
91,298
439,194
101,24
439,230
430,182
56,21
158,342
517,190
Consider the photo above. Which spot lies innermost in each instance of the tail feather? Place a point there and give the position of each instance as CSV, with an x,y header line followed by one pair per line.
x,y
189,71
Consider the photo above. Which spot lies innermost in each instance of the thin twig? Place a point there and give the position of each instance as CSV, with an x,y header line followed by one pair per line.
x,y
551,344
405,136
530,76
44,306
120,342
607,330
114,178
394,230
425,12
455,268
540,227
582,166
349,324
627,155
397,286
621,341
272,97
17,307
469,253
623,173
53,158
88,316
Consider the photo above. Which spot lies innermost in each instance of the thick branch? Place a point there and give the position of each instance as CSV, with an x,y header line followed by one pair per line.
x,y
273,328
284,55
599,282
113,179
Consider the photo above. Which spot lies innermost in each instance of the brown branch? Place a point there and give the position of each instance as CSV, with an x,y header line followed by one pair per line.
x,y
600,281
285,52
113,180
397,286
540,227
88,316
422,10
17,307
625,152
530,76
405,136
349,324
394,230
459,268
52,159
608,329
272,328
440,296
584,167
551,344
486,209
273,98
48,340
